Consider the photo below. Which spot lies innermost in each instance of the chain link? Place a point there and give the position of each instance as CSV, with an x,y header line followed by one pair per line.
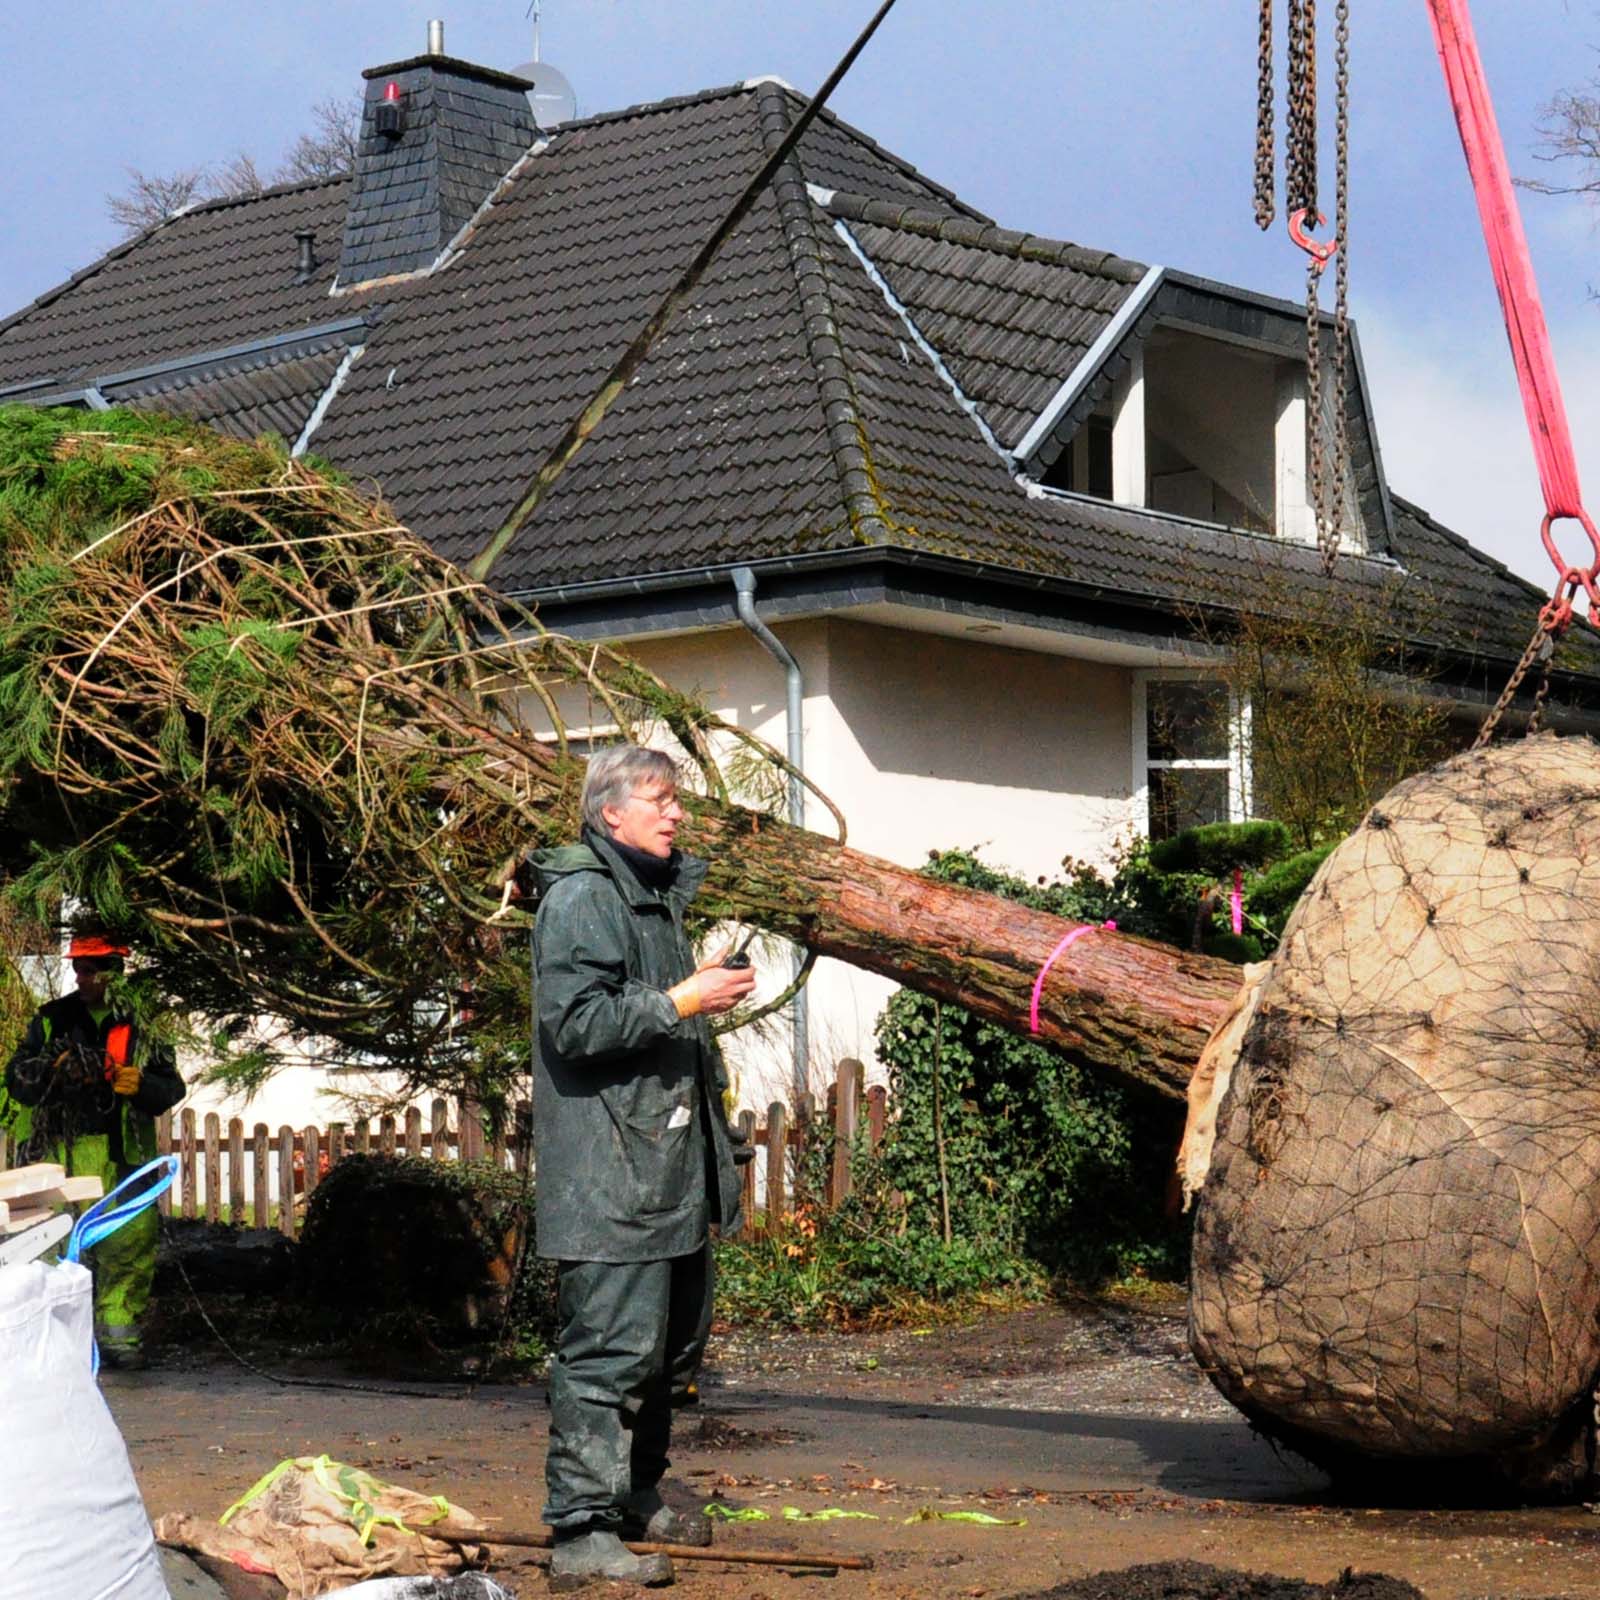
x,y
1266,107
1300,151
1332,510
1541,648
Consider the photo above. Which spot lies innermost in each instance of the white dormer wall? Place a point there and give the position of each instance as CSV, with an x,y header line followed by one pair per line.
x,y
1215,429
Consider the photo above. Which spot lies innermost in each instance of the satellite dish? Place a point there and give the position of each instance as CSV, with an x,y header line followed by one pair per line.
x,y
551,96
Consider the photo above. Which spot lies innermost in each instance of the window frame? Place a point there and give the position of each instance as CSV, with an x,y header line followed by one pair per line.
x,y
1236,763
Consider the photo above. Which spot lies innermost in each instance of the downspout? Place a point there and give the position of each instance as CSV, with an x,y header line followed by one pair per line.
x,y
744,592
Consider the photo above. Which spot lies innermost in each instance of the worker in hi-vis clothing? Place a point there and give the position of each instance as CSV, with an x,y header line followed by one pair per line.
x,y
93,1085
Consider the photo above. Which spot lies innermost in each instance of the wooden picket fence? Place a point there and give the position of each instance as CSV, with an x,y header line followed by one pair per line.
x,y
256,1177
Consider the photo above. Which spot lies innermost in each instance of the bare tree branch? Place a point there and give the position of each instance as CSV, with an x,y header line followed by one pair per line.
x,y
153,197
329,149
1569,135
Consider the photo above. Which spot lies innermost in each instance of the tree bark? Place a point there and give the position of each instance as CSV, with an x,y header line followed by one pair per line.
x,y
1137,1009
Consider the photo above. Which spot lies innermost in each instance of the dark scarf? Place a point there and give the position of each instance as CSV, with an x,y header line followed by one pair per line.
x,y
654,872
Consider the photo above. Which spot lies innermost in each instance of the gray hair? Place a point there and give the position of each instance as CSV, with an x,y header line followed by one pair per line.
x,y
615,772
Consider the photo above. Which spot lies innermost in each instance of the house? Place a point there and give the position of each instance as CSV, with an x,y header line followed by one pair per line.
x,y
977,482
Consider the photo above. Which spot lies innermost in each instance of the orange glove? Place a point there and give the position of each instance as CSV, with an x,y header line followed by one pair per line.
x,y
126,1079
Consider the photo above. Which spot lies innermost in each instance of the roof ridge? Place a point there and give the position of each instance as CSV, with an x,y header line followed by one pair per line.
x,y
836,390
908,167
125,246
985,236
1432,523
647,108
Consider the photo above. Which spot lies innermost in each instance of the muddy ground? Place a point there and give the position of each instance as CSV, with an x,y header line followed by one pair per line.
x,y
1089,1422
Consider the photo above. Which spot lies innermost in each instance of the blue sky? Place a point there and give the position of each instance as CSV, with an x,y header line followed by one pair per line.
x,y
1126,124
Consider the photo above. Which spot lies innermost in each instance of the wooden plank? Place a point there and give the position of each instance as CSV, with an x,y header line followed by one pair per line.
x,y
286,1181
877,1113
747,1200
18,1219
335,1144
777,1163
413,1131
363,1137
439,1129
386,1135
212,1140
69,1192
261,1167
32,1179
186,1144
164,1148
311,1142
235,1172
846,1108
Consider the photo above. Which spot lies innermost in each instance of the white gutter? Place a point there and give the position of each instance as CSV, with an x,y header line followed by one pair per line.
x,y
320,410
1083,374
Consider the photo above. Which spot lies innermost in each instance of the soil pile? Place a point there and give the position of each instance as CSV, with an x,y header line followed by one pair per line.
x,y
1194,1580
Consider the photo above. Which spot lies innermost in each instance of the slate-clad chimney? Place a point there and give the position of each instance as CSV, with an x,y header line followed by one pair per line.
x,y
461,129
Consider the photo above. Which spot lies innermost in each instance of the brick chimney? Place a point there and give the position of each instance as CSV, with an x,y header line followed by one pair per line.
x,y
437,135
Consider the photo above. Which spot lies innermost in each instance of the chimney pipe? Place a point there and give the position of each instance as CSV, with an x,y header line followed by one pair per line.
x,y
436,36
306,263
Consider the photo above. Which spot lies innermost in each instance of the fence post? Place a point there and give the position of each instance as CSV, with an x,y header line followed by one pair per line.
x,y
213,1141
522,1153
235,1173
186,1162
777,1161
364,1137
312,1141
877,1114
439,1129
846,1105
470,1136
747,1173
386,1135
286,1181
164,1148
413,1132
261,1190
335,1144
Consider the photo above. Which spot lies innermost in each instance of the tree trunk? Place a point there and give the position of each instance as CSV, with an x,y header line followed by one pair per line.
x,y
1138,1009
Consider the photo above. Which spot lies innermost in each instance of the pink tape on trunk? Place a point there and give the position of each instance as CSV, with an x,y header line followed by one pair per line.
x,y
1050,960
1236,902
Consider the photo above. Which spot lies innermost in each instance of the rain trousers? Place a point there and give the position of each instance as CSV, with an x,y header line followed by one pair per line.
x,y
634,1165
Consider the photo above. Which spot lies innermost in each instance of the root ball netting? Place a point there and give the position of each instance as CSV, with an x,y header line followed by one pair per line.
x,y
1397,1246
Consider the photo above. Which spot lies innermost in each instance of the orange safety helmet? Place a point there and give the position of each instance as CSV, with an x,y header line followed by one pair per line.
x,y
94,944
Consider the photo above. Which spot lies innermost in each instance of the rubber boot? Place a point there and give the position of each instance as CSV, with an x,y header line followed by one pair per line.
x,y
647,1517
598,1554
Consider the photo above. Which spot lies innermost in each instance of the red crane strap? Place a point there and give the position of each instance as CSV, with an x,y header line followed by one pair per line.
x,y
1519,300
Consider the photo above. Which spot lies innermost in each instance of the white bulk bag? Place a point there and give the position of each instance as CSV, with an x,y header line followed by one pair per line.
x,y
75,1525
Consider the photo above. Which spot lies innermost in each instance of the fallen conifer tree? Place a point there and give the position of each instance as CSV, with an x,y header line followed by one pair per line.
x,y
252,723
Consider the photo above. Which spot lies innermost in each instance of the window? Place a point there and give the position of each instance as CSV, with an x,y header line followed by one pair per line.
x,y
1190,742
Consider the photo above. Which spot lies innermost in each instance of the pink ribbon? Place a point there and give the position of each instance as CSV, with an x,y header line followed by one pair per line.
x,y
1050,960
1236,902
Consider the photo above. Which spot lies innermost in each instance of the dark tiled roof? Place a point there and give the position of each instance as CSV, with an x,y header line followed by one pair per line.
x,y
267,396
789,408
219,274
1010,314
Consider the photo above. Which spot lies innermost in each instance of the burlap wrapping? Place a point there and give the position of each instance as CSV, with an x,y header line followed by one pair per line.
x,y
1397,1242
320,1526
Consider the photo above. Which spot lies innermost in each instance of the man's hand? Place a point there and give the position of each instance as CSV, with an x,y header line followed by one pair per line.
x,y
126,1079
712,990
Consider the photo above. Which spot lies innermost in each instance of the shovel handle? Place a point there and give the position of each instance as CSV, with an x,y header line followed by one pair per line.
x,y
818,1561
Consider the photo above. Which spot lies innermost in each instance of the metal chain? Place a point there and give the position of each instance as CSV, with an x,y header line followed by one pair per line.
x,y
1300,152
1266,106
1316,459
1331,520
1541,648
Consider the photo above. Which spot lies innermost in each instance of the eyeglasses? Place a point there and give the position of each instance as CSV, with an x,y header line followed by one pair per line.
x,y
662,803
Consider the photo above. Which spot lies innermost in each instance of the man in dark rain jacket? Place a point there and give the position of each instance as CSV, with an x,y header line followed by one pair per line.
x,y
93,1086
633,1157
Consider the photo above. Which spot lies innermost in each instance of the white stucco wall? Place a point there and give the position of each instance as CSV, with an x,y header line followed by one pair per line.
x,y
924,743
